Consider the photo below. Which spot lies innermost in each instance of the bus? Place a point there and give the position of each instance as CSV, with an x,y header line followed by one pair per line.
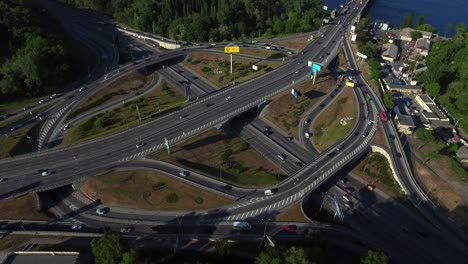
x,y
383,116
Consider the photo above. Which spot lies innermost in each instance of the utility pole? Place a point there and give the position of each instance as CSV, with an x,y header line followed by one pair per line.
x,y
231,63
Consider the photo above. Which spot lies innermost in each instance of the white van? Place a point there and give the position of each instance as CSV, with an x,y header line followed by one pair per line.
x,y
347,198
268,192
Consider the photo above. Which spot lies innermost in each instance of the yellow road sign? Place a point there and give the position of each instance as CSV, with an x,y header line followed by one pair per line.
x,y
231,49
350,84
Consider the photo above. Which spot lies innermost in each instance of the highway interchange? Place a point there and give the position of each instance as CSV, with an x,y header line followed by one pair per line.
x,y
74,163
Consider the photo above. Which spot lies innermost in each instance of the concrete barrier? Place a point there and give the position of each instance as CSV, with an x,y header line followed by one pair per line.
x,y
162,43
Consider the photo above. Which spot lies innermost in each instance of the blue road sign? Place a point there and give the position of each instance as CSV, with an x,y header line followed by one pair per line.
x,y
338,208
316,67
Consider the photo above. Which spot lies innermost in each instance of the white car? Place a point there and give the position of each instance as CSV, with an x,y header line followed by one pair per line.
x,y
82,88
65,127
307,135
268,192
229,98
139,145
102,211
77,227
184,173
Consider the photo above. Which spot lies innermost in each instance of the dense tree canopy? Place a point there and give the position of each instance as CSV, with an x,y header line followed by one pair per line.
x,y
215,20
447,74
33,57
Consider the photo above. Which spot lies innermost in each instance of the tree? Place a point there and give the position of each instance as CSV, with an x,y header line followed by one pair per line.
x,y
408,20
130,257
265,258
433,88
374,257
388,99
420,20
109,249
296,255
415,34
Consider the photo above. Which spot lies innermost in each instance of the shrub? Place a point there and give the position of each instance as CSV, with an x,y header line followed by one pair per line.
x,y
172,198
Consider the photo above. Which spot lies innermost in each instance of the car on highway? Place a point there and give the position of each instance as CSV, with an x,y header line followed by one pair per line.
x,y
269,192
370,187
289,138
298,163
102,211
347,198
127,229
322,105
3,179
307,121
229,98
398,154
290,228
347,189
391,137
82,88
65,127
383,116
350,205
307,135
139,145
184,173
364,135
77,227
281,156
44,172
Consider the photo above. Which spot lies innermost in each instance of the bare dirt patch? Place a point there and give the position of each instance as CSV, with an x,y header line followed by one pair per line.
x,y
225,157
144,189
215,67
286,114
379,139
23,207
336,121
297,44
292,214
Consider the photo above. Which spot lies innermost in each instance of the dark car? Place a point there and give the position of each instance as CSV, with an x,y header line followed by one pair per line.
x,y
298,163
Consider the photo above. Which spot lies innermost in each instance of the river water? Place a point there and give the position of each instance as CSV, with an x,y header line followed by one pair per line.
x,y
438,13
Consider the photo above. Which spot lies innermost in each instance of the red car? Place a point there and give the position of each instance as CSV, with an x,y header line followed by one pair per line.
x,y
290,228
383,116
348,190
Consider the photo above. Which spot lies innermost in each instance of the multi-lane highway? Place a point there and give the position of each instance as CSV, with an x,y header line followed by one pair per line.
x,y
72,164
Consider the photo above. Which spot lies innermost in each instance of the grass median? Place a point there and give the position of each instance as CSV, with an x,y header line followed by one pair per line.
x,y
336,121
216,67
123,86
143,189
150,106
224,157
285,113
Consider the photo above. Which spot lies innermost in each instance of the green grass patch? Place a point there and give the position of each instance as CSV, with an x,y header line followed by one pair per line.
x,y
377,167
224,157
172,198
9,107
124,117
93,104
328,129
18,143
216,68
